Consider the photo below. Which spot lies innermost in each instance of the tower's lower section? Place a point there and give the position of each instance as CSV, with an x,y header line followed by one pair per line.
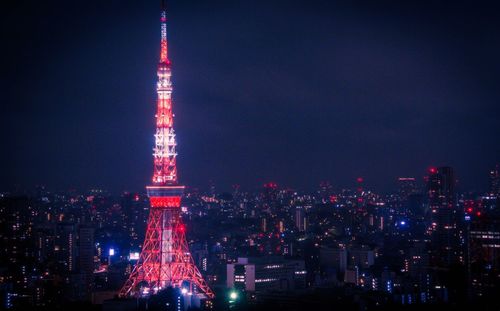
x,y
165,259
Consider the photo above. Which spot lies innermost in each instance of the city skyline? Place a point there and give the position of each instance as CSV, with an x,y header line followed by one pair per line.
x,y
429,247
311,92
286,155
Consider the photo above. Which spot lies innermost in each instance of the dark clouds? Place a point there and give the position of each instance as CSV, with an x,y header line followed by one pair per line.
x,y
295,92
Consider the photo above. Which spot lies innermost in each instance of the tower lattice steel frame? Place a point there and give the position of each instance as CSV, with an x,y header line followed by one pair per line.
x,y
165,259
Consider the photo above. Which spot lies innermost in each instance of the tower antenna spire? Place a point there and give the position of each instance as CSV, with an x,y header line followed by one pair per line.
x,y
163,41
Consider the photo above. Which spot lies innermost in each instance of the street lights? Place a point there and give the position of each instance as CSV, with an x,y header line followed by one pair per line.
x,y
233,298
111,253
233,295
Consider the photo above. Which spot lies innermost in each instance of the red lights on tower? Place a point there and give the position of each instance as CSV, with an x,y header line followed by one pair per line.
x,y
271,185
165,259
360,181
165,201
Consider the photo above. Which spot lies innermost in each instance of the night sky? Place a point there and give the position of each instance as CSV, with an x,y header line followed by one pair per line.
x,y
294,92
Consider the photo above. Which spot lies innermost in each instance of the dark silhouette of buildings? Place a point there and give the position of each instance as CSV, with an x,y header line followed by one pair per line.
x,y
444,217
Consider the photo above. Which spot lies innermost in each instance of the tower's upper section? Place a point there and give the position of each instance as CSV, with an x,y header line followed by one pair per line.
x,y
164,151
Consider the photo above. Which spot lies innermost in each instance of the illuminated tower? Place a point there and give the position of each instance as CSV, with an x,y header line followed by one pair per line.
x,y
165,259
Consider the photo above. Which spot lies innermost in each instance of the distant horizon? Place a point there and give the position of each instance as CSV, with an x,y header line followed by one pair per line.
x,y
420,181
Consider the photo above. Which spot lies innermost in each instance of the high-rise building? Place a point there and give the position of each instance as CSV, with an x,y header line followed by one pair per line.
x,y
86,258
300,219
263,224
65,246
16,229
44,242
495,181
485,255
265,274
362,256
444,217
407,186
409,198
165,260
334,258
325,192
17,254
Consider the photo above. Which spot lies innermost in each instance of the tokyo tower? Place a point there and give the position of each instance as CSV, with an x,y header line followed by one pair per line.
x,y
165,259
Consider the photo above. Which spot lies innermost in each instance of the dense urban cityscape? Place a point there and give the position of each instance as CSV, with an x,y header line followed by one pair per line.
x,y
428,242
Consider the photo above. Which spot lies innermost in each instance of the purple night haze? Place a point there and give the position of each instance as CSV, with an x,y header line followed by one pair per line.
x,y
295,92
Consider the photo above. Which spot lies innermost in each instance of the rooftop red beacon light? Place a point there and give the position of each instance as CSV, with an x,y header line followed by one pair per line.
x,y
165,259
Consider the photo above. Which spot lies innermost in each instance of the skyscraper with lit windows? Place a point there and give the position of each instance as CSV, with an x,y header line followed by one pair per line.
x,y
444,215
